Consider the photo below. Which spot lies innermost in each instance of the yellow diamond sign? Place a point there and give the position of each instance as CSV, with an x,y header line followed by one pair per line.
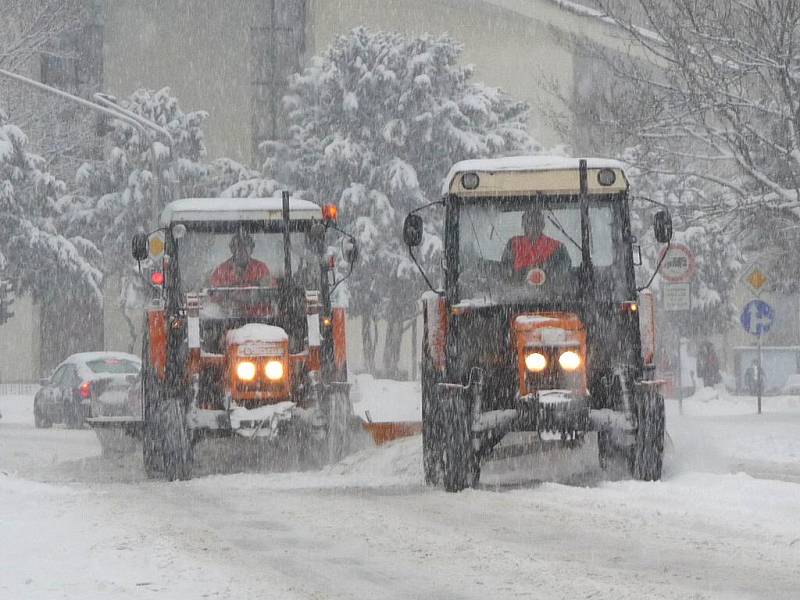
x,y
755,279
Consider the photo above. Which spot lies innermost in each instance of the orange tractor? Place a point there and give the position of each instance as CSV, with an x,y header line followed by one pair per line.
x,y
242,338
537,327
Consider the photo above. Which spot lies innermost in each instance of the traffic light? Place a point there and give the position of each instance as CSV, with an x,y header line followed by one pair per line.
x,y
6,300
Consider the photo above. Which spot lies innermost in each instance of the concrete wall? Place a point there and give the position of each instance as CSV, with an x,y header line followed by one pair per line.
x,y
20,343
199,48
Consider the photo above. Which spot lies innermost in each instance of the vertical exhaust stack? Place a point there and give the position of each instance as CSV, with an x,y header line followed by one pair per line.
x,y
287,238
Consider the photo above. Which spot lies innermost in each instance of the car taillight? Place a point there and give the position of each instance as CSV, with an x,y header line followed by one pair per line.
x,y
85,390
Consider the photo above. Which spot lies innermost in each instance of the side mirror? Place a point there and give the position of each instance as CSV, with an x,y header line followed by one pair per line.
x,y
662,225
412,231
316,238
139,246
44,381
351,252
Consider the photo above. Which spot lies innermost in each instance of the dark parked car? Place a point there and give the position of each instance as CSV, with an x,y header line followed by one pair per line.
x,y
86,384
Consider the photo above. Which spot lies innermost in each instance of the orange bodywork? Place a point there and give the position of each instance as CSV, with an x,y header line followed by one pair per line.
x,y
157,336
260,390
530,331
339,326
436,323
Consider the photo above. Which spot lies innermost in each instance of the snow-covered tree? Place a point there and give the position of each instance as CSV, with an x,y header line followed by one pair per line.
x,y
375,122
30,27
39,256
713,92
115,197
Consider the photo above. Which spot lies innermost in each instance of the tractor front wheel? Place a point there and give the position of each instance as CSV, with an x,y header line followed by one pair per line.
x,y
648,452
340,414
459,468
431,427
176,441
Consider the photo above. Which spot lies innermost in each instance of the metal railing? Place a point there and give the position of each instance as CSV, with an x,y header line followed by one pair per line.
x,y
18,388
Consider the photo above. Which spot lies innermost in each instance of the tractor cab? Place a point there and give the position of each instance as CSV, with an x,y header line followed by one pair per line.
x,y
242,337
537,325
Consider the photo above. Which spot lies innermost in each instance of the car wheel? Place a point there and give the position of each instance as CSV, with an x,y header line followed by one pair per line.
x,y
40,420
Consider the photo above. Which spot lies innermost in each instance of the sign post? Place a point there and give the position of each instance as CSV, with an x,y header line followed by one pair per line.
x,y
757,318
677,271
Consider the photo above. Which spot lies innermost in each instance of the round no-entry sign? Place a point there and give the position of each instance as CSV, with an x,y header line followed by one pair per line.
x,y
677,265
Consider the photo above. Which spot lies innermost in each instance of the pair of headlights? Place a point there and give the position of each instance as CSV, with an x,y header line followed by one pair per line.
x,y
246,370
569,361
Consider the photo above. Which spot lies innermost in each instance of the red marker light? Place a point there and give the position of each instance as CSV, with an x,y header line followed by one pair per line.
x,y
157,278
329,212
85,390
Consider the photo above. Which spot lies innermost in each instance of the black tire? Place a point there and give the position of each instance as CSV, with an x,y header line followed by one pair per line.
x,y
644,459
178,455
73,415
40,420
340,413
431,423
648,453
458,457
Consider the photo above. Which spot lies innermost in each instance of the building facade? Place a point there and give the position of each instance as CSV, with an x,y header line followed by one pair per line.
x,y
232,59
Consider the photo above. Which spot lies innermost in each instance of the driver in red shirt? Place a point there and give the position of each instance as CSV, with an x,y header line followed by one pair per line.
x,y
241,269
534,249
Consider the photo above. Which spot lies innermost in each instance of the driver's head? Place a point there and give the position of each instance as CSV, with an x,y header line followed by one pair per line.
x,y
241,246
533,223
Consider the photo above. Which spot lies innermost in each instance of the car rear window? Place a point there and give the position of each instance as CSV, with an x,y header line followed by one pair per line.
x,y
113,365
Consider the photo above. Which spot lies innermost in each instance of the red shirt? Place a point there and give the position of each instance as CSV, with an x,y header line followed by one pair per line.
x,y
527,254
229,275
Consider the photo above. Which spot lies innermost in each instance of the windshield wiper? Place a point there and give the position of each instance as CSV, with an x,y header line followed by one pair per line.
x,y
554,220
480,251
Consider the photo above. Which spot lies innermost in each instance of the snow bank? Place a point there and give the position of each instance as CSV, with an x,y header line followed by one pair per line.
x,y
16,408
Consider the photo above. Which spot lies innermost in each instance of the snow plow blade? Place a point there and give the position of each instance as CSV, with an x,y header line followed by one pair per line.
x,y
386,432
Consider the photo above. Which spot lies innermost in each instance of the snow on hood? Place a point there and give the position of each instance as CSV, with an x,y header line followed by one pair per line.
x,y
525,163
532,319
256,332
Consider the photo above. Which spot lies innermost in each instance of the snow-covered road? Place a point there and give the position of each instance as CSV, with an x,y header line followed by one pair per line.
x,y
725,522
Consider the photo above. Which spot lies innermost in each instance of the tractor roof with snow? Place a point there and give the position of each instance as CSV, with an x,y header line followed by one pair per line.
x,y
237,209
531,175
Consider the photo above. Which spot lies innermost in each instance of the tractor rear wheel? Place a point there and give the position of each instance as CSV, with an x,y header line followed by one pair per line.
x,y
458,460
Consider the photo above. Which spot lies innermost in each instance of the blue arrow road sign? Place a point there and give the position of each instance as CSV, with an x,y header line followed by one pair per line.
x,y
757,317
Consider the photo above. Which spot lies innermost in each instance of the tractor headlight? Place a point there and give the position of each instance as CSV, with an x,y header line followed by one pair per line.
x,y
246,370
569,360
535,362
273,370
